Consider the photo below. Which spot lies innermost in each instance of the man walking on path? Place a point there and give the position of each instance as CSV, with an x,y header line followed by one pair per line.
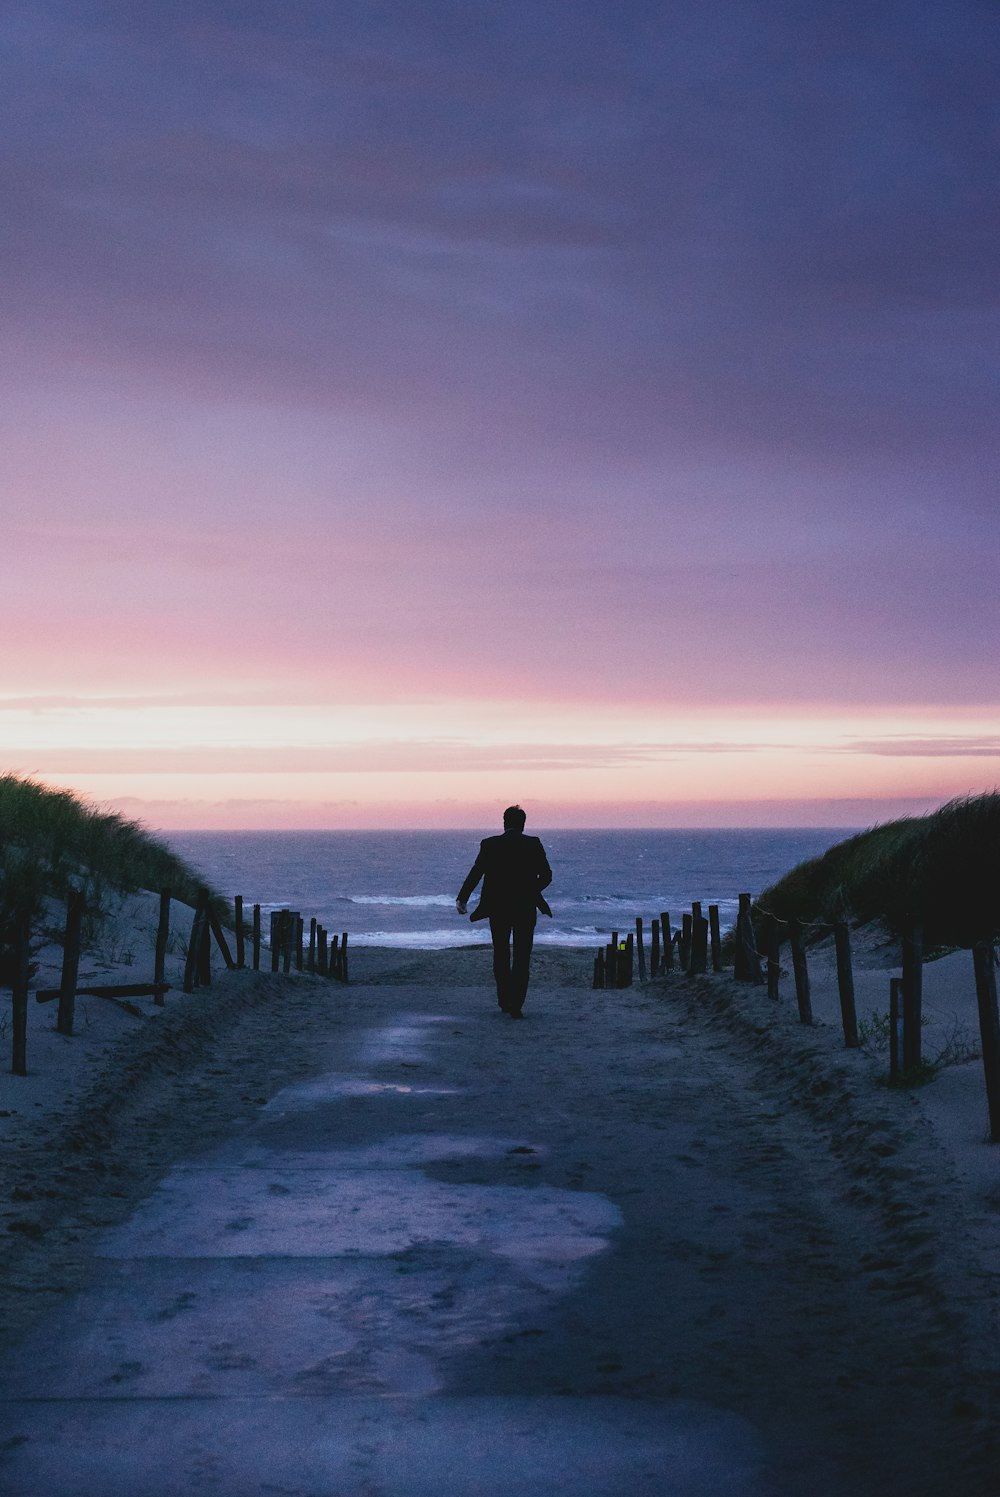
x,y
514,870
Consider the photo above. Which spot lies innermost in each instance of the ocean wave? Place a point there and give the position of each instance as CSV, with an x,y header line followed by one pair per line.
x,y
471,935
409,901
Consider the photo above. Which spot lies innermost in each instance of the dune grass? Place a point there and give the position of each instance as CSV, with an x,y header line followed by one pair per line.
x,y
51,841
942,869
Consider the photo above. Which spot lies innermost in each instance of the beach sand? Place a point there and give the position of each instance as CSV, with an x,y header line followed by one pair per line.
x,y
759,1235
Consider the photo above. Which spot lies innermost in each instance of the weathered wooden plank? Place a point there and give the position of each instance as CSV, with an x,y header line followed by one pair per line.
x,y
107,990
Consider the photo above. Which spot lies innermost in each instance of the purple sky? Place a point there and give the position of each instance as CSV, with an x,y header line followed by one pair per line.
x,y
507,362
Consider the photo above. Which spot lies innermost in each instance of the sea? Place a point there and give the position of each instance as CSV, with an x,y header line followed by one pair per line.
x,y
398,888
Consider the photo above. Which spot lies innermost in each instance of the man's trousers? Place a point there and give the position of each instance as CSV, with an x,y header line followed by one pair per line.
x,y
510,968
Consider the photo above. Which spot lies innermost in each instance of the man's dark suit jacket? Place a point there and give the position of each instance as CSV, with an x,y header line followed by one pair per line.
x,y
514,870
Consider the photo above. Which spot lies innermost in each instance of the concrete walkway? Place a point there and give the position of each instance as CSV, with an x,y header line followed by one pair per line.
x,y
463,1256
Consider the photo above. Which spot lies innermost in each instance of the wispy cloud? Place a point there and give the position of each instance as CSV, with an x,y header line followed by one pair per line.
x,y
372,757
949,747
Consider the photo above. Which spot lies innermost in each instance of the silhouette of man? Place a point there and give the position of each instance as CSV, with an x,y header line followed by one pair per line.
x,y
514,871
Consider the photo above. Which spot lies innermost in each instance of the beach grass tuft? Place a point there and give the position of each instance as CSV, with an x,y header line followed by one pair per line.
x,y
52,841
943,870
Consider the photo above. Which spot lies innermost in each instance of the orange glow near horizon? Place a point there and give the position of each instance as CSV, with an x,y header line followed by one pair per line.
x,y
450,763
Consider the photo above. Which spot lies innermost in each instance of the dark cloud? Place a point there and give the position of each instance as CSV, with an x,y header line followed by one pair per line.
x,y
707,218
713,284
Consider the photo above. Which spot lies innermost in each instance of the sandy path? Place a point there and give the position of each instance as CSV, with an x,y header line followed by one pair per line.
x,y
628,1245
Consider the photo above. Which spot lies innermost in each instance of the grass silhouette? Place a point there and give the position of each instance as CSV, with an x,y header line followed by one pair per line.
x,y
51,841
942,869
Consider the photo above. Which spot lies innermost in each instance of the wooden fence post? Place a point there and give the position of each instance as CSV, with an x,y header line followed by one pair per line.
x,y
895,1024
275,946
989,1029
299,928
311,958
321,960
699,945
690,926
241,950
343,956
162,937
204,958
626,962
667,939
70,963
19,992
599,968
287,926
334,957
256,937
845,984
773,939
654,948
684,945
192,962
221,942
716,935
801,971
747,963
913,982
640,949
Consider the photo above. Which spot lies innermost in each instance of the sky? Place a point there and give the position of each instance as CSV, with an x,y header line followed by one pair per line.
x,y
411,408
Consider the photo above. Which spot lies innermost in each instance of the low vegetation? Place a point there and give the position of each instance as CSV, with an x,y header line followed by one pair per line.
x,y
51,841
942,869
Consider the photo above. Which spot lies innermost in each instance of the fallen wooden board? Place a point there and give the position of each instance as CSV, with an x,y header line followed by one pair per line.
x,y
110,990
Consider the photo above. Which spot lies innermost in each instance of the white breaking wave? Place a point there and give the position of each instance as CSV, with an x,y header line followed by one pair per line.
x,y
473,935
411,901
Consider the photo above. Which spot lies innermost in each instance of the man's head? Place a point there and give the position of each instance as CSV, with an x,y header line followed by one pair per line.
x,y
514,819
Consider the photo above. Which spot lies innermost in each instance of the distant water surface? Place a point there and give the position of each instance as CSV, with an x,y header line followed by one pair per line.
x,y
398,888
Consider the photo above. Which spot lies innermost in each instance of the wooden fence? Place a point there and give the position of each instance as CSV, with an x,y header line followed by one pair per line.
x,y
756,952
325,956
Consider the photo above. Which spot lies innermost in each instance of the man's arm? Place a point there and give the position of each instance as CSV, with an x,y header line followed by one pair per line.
x,y
544,871
475,874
